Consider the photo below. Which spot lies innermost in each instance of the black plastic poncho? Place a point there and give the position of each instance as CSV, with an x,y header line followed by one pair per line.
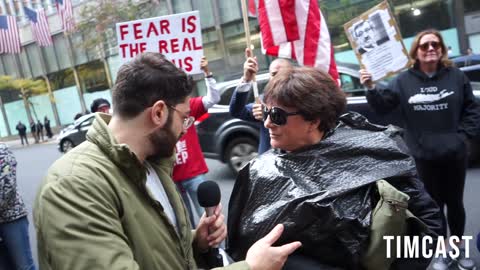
x,y
323,194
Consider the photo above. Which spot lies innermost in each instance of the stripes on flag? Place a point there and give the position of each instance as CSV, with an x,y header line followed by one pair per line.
x,y
252,11
65,10
277,21
9,35
40,29
314,47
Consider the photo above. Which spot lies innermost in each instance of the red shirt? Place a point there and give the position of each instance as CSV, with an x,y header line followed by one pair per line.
x,y
189,160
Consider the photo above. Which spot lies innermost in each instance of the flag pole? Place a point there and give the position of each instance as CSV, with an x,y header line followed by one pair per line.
x,y
248,40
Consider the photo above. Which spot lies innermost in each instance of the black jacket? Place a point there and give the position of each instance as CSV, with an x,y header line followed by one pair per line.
x,y
438,113
324,194
22,129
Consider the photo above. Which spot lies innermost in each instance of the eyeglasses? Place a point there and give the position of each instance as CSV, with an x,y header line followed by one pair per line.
x,y
277,115
425,46
187,120
360,33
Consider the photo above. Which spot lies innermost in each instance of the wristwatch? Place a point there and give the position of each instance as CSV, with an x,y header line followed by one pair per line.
x,y
210,75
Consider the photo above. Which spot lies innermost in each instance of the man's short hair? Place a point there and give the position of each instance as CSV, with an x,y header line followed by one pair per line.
x,y
311,91
146,79
360,24
98,103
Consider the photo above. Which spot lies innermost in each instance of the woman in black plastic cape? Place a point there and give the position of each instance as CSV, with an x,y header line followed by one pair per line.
x,y
319,178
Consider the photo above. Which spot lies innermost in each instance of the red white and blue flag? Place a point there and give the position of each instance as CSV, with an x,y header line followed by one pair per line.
x,y
252,10
286,18
65,10
39,23
9,36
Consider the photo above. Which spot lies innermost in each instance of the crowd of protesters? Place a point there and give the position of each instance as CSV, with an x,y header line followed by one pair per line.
x,y
309,200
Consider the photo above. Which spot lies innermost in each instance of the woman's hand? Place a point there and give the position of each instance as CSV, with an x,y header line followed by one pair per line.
x,y
366,79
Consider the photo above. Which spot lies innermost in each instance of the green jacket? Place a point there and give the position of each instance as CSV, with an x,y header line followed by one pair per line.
x,y
93,211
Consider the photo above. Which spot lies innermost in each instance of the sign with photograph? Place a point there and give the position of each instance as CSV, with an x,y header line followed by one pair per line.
x,y
377,42
177,36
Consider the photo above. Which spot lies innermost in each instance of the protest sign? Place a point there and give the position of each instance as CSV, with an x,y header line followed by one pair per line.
x,y
177,36
377,42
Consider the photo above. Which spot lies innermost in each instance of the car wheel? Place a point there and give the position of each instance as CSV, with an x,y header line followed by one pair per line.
x,y
67,145
239,152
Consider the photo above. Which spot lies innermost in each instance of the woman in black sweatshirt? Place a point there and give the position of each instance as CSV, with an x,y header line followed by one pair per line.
x,y
439,113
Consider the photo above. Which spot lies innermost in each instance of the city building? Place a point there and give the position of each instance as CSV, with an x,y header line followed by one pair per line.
x,y
75,74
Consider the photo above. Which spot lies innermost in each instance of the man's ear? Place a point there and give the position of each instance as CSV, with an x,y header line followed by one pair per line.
x,y
159,113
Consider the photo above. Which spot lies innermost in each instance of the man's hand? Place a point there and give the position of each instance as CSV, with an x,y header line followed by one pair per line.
x,y
366,79
257,111
211,231
263,256
204,65
250,66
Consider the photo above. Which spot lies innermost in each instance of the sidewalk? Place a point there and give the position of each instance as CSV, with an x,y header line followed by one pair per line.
x,y
17,143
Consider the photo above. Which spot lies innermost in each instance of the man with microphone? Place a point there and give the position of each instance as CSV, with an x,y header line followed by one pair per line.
x,y
111,204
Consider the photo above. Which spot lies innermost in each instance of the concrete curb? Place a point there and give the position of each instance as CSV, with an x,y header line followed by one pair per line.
x,y
15,144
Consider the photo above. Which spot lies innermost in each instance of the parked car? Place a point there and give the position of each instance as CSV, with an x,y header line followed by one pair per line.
x,y
235,142
466,60
75,133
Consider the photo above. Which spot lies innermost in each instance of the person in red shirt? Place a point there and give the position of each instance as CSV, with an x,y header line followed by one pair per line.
x,y
190,166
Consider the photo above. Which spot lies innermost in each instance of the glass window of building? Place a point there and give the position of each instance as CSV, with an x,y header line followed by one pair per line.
x,y
211,45
161,8
93,77
182,6
10,65
27,72
471,5
2,69
79,53
206,12
35,60
62,51
229,11
50,57
61,79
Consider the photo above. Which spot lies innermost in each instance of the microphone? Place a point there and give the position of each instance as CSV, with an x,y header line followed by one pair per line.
x,y
208,194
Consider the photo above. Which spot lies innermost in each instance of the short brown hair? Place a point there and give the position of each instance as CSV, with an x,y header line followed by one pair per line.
x,y
313,92
444,62
149,77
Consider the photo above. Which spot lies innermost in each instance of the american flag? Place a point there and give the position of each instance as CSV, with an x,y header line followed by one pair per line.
x,y
252,10
40,29
9,36
297,29
65,10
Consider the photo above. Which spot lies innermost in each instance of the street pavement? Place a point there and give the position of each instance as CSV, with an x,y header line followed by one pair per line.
x,y
34,160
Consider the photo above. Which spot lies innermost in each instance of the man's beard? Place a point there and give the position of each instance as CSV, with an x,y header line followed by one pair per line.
x,y
163,141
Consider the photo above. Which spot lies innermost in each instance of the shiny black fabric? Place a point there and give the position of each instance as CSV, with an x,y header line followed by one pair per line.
x,y
323,194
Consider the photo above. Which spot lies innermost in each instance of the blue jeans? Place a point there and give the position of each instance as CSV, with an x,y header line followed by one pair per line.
x,y
189,188
15,252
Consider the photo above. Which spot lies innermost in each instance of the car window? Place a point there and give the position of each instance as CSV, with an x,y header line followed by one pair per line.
x,y
227,94
473,75
351,85
87,122
475,86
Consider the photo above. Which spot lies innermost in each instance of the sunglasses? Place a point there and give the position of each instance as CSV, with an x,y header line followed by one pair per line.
x,y
277,115
425,46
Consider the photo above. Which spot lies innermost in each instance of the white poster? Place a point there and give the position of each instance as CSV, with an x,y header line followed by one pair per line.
x,y
376,40
177,36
